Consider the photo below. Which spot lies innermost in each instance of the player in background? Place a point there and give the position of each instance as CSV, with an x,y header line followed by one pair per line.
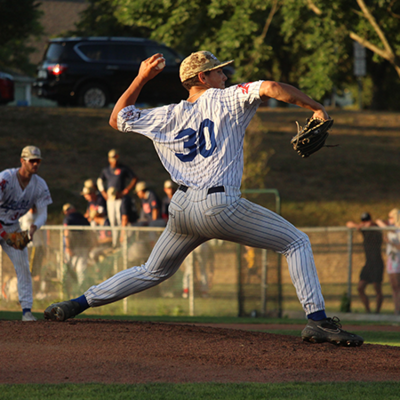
x,y
150,213
200,143
115,182
20,190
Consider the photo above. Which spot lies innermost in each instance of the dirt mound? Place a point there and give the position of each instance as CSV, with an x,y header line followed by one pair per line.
x,y
82,351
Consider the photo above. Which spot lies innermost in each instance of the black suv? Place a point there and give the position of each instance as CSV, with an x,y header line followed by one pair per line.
x,y
95,71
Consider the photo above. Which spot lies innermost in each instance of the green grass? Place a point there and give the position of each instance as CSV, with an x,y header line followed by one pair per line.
x,y
214,391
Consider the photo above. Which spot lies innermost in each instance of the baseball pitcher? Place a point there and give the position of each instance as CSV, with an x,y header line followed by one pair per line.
x,y
200,143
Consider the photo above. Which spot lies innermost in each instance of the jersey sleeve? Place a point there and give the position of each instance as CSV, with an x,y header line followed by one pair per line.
x,y
44,197
242,100
147,122
4,183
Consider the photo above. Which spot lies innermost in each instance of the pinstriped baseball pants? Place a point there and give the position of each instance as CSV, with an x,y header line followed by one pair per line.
x,y
196,217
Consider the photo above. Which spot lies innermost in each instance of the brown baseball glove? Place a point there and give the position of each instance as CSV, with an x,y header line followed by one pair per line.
x,y
311,137
18,240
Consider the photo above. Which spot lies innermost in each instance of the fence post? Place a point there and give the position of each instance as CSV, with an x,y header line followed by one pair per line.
x,y
264,284
240,283
350,249
191,285
125,262
61,265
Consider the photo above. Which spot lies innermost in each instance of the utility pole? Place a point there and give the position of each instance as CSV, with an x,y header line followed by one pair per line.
x,y
360,69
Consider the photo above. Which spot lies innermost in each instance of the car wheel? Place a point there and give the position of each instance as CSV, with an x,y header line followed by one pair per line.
x,y
93,95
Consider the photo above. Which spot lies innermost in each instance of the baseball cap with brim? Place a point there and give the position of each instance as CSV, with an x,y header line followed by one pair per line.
x,y
365,217
140,186
168,184
113,153
201,61
67,207
87,190
31,153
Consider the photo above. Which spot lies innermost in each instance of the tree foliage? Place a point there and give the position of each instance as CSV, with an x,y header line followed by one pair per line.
x,y
308,43
19,20
99,19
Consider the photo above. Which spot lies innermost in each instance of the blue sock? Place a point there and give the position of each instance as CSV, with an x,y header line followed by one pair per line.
x,y
81,300
25,310
317,316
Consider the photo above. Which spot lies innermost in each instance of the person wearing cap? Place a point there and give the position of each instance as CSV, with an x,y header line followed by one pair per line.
x,y
392,240
21,189
150,213
115,182
77,243
97,205
169,190
200,143
372,272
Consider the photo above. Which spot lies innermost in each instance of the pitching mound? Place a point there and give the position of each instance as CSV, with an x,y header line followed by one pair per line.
x,y
82,351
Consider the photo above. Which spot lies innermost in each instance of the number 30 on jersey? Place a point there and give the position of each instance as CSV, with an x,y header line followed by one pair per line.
x,y
201,142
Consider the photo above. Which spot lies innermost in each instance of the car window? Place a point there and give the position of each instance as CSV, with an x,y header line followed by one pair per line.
x,y
171,59
54,52
127,53
93,52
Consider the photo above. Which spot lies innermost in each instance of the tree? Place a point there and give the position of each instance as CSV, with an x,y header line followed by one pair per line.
x,y
308,43
18,21
98,19
324,33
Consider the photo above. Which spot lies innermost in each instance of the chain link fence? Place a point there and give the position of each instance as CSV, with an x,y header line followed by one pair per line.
x,y
218,279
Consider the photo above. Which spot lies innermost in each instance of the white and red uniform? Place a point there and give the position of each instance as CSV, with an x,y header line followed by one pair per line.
x,y
14,203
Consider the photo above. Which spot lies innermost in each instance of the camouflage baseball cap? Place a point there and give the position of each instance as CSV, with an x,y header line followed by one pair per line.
x,y
200,61
31,153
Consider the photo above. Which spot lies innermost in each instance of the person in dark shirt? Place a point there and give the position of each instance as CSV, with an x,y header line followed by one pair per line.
x,y
77,243
372,271
115,182
169,190
96,203
150,213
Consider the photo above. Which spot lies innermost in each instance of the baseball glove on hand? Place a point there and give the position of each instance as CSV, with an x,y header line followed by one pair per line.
x,y
311,137
18,240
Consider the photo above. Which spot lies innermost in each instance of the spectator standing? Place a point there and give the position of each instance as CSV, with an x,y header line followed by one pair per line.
x,y
115,182
393,255
77,243
372,271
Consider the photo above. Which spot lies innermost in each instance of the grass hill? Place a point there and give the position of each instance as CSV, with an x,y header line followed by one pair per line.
x,y
336,184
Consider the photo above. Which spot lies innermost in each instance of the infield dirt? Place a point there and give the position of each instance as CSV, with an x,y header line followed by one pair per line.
x,y
99,351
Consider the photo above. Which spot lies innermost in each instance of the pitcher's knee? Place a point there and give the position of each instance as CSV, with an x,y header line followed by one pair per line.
x,y
301,242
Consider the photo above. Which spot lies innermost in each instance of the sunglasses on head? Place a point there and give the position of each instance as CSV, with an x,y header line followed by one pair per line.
x,y
35,161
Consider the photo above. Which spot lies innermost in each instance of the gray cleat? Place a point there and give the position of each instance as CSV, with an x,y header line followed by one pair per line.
x,y
329,330
62,311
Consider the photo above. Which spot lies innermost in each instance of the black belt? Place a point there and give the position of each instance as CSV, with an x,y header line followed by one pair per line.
x,y
215,189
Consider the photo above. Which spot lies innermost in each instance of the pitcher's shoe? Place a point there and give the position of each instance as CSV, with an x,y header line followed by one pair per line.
x,y
28,317
329,330
62,311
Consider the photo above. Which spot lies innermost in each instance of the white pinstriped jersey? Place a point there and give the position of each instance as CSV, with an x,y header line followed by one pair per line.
x,y
15,202
193,140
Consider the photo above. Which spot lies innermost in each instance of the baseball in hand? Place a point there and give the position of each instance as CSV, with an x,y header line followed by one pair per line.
x,y
161,63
